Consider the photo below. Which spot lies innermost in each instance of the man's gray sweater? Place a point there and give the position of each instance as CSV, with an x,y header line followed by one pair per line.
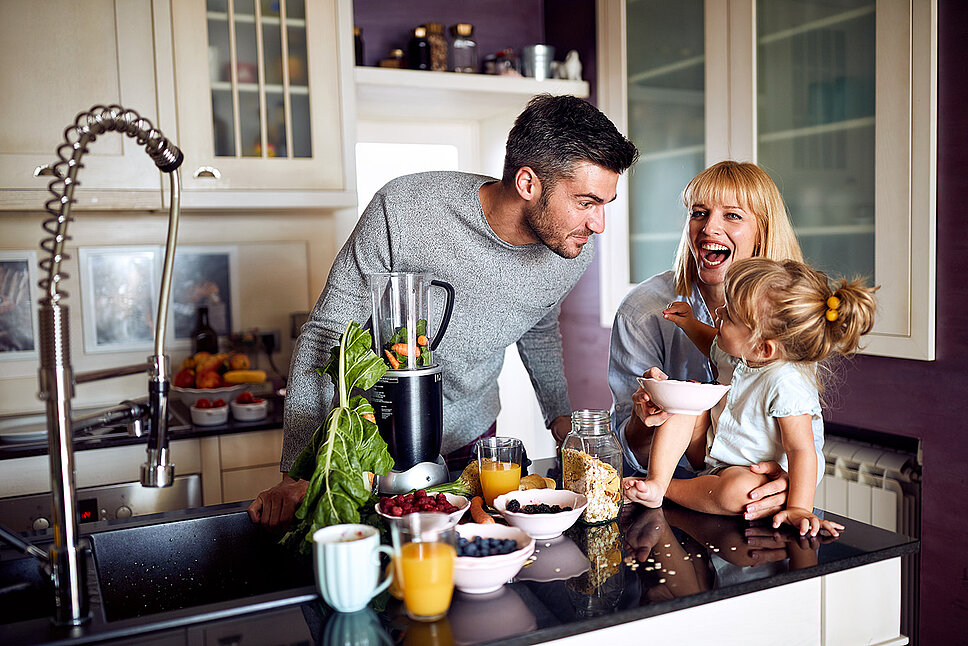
x,y
433,222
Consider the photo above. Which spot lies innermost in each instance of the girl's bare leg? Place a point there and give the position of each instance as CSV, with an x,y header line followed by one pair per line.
x,y
671,440
726,493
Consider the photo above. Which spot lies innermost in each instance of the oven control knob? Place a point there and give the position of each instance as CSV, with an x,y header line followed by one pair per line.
x,y
41,523
123,512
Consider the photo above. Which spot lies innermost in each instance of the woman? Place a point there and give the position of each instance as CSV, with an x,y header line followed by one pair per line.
x,y
735,211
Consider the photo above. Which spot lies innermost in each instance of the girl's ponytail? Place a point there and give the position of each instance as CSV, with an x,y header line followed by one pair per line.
x,y
849,315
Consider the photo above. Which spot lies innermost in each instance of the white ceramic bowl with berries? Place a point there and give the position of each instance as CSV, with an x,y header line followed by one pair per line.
x,y
209,412
248,408
541,525
451,504
191,395
683,397
482,574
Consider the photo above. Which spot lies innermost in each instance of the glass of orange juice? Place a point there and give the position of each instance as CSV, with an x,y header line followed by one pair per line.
x,y
424,548
499,460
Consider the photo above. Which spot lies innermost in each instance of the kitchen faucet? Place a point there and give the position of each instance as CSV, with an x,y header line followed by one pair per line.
x,y
66,558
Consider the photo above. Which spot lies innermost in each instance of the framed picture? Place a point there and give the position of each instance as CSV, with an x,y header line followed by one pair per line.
x,y
119,290
18,305
204,277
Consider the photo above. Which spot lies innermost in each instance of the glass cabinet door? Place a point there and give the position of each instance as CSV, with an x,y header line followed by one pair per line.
x,y
815,64
666,121
258,70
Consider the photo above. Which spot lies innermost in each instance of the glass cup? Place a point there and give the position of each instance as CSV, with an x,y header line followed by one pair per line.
x,y
424,550
499,460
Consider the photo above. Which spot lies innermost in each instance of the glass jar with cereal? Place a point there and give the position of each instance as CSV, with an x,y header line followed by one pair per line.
x,y
591,464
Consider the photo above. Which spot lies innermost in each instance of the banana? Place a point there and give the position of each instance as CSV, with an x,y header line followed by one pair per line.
x,y
244,376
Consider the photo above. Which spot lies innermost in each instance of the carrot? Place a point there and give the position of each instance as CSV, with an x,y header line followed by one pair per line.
x,y
477,511
392,359
421,340
402,349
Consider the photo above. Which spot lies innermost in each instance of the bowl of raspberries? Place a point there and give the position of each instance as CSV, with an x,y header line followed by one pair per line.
x,y
542,513
455,506
489,555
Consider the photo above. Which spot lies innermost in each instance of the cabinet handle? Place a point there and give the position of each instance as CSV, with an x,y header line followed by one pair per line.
x,y
43,169
207,171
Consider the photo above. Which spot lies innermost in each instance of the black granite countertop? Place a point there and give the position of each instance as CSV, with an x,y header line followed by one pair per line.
x,y
648,562
180,427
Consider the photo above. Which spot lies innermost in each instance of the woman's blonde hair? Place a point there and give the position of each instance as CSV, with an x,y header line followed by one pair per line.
x,y
756,193
795,305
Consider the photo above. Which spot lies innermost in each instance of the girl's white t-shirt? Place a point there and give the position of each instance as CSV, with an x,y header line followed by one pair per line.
x,y
744,429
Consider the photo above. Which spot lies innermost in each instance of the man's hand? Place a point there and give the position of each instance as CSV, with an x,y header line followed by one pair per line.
x,y
770,497
560,427
274,507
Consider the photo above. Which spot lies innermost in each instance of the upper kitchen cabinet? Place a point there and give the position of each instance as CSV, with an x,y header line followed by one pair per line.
x,y
835,100
263,92
59,58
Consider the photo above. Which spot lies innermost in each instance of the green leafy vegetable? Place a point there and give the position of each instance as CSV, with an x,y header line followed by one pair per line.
x,y
346,449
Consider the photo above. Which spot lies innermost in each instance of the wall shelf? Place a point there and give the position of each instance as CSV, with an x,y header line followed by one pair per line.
x,y
383,93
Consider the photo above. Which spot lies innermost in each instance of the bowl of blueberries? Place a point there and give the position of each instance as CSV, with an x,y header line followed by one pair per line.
x,y
541,513
489,555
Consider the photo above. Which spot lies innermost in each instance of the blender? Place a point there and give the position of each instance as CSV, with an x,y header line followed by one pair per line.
x,y
408,399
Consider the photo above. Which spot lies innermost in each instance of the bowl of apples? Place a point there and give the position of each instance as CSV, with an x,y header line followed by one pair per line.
x,y
214,376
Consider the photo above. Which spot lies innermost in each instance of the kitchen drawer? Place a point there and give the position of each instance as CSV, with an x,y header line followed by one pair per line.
x,y
258,448
245,484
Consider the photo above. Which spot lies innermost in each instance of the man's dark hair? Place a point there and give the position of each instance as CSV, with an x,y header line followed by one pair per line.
x,y
554,133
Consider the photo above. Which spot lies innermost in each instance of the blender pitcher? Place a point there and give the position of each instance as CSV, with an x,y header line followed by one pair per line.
x,y
408,399
401,318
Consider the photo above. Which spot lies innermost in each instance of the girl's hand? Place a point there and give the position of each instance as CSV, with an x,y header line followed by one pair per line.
x,y
806,522
645,408
679,312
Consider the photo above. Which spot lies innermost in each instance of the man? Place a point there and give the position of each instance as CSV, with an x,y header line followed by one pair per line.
x,y
512,249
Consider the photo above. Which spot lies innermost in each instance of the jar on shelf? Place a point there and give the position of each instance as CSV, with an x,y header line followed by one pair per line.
x,y
358,46
591,464
438,46
463,48
395,59
418,50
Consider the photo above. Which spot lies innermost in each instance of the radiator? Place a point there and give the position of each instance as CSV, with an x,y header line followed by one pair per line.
x,y
881,487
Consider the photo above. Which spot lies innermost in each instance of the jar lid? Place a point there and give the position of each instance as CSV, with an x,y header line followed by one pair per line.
x,y
420,32
357,31
434,27
462,29
396,53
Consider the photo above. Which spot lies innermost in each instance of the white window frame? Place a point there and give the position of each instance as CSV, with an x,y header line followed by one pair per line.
x,y
905,153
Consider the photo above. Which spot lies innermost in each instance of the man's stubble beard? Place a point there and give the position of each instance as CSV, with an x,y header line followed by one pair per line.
x,y
539,220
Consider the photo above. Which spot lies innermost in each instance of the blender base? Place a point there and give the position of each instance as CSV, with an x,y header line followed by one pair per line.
x,y
419,476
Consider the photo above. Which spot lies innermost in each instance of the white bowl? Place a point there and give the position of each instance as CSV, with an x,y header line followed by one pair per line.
x,y
481,574
542,526
683,397
556,559
249,412
462,504
209,416
191,395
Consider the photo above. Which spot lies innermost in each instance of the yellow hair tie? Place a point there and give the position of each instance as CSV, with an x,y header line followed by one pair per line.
x,y
832,304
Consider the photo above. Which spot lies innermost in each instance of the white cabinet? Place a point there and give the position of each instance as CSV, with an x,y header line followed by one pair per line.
x,y
237,467
57,59
836,102
261,102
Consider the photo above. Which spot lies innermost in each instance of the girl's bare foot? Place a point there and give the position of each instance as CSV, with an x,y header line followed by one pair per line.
x,y
643,491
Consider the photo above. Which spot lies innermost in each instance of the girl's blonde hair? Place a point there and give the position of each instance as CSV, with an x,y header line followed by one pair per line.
x,y
756,193
795,305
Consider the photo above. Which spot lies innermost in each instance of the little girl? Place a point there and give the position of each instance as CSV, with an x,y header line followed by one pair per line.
x,y
779,321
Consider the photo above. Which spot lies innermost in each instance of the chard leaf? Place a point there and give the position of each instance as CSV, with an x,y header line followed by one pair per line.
x,y
344,447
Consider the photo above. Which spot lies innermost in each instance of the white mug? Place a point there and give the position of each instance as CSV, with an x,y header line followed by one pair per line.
x,y
347,561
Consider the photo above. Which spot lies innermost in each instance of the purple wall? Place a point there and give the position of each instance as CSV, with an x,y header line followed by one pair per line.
x,y
498,24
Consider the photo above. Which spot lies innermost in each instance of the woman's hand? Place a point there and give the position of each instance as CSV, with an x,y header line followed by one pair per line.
x,y
679,312
769,497
645,408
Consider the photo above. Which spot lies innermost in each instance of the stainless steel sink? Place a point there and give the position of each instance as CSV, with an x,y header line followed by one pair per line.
x,y
214,559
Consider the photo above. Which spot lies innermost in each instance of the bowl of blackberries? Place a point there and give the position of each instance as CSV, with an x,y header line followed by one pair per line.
x,y
455,506
541,513
489,555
